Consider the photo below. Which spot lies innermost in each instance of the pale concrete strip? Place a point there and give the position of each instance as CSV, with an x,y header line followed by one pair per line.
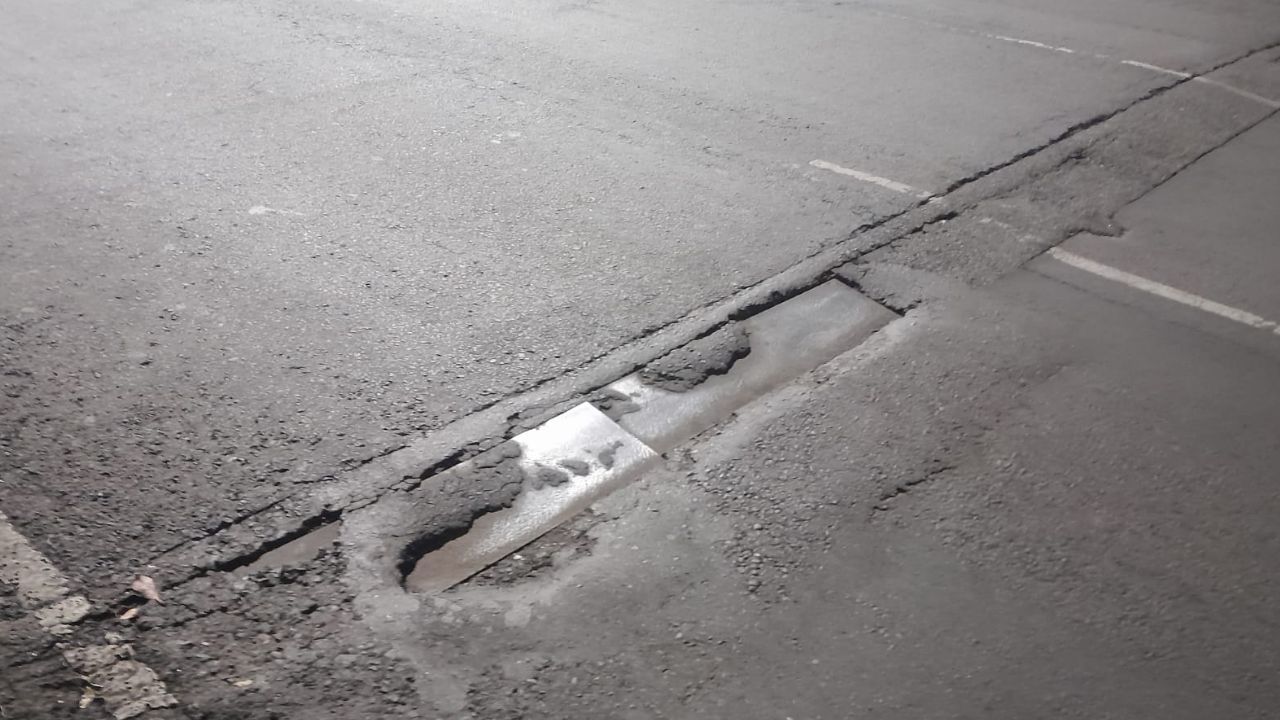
x,y
872,179
1164,291
606,457
127,686
787,340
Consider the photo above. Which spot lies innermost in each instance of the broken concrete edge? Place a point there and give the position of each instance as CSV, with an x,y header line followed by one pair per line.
x,y
599,456
787,341
242,542
478,511
259,531
689,365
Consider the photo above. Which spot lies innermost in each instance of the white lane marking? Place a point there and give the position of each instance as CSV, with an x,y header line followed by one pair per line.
x,y
1269,102
1032,43
1156,68
263,210
127,686
1238,91
1164,291
873,179
1207,81
37,581
989,36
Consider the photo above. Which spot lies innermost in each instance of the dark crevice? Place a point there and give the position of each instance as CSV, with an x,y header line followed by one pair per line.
x,y
941,219
219,528
429,543
775,298
903,488
746,310
454,459
310,524
1097,120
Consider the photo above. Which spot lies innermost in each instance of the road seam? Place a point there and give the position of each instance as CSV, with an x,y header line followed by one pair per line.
x,y
580,456
427,456
1180,74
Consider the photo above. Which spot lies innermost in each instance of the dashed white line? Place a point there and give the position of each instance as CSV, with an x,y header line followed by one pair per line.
x,y
873,179
1206,81
1032,43
1156,68
1164,291
129,687
1238,91
989,36
1180,74
264,210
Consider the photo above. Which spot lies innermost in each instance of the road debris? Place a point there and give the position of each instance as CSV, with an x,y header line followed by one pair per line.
x,y
145,586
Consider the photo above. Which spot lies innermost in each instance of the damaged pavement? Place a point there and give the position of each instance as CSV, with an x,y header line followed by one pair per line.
x,y
919,468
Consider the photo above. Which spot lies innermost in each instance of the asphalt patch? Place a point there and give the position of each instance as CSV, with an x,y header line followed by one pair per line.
x,y
690,365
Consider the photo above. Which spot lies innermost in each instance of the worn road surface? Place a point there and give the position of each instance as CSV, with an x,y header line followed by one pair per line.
x,y
269,272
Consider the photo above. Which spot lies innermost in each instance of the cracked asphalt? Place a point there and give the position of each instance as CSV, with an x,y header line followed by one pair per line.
x,y
248,251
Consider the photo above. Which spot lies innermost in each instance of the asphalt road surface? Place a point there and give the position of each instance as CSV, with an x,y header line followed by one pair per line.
x,y
266,268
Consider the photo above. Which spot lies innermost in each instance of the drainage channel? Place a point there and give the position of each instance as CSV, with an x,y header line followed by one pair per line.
x,y
456,524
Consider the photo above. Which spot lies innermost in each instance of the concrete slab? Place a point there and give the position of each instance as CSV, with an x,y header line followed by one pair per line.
x,y
786,341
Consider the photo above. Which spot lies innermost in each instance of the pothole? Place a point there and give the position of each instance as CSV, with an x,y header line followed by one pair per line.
x,y
690,365
470,522
558,547
568,463
785,341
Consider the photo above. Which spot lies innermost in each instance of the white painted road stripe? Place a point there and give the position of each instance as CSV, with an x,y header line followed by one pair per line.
x,y
988,36
873,179
1156,68
1083,53
127,686
37,581
1164,291
1032,43
1238,91
1206,81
